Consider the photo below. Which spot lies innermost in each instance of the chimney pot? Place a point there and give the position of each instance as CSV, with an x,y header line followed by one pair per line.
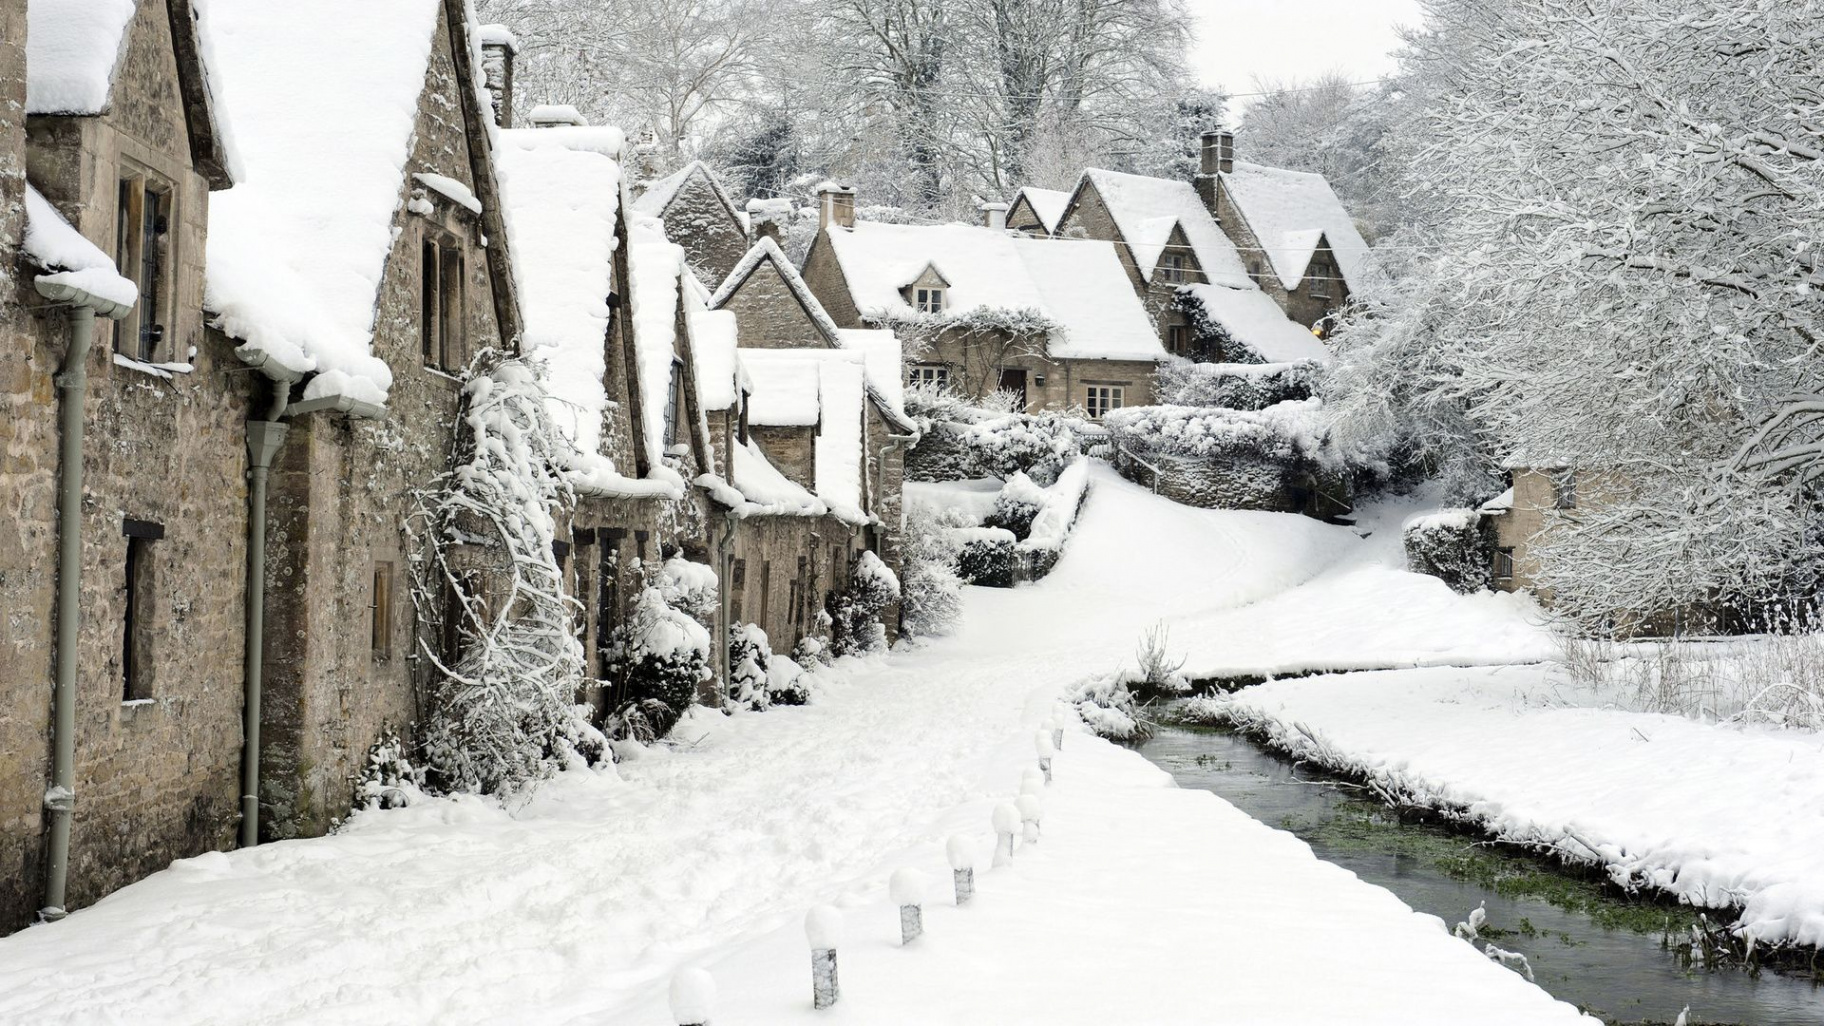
x,y
835,206
498,48
1218,152
994,215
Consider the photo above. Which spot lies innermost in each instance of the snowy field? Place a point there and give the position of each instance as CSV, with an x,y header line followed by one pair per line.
x,y
1143,903
1716,815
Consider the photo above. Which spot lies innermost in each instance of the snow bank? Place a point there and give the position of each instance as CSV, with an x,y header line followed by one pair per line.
x,y
320,99
71,259
1716,816
71,48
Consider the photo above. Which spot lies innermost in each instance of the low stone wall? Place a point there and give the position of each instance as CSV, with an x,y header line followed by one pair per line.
x,y
1238,482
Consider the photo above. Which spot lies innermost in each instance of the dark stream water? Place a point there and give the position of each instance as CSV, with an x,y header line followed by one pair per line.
x,y
1586,946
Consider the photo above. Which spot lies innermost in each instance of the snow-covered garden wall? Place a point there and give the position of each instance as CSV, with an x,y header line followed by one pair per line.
x,y
1275,459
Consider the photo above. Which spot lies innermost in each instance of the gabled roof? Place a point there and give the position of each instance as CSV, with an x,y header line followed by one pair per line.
x,y
1292,213
1254,320
1079,286
73,47
322,100
825,387
1146,209
884,383
1048,205
658,195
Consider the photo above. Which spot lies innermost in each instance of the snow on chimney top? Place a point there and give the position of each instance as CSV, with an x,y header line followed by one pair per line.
x,y
498,47
552,115
994,215
835,206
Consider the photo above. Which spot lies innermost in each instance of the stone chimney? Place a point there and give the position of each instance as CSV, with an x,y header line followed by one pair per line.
x,y
1216,156
554,115
835,206
498,47
994,215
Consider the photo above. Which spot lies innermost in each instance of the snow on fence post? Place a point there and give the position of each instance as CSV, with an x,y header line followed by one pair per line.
x,y
1006,821
823,929
1030,810
1056,726
693,997
1041,743
962,867
908,889
1032,781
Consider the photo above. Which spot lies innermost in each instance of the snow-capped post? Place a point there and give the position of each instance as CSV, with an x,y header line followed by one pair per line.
x,y
823,929
1056,724
1006,821
1032,781
1030,810
908,889
962,867
1041,743
693,997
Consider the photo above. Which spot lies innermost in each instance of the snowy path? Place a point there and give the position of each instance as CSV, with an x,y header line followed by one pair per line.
x,y
585,901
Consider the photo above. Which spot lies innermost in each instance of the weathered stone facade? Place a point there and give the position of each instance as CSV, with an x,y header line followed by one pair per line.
x,y
1321,293
1088,217
700,217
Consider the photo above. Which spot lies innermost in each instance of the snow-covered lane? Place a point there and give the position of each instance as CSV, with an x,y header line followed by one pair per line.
x,y
588,897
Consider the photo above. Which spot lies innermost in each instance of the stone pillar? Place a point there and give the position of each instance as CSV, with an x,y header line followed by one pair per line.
x,y
498,48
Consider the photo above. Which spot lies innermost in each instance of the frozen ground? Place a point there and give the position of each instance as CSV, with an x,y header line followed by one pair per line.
x,y
1717,815
1143,904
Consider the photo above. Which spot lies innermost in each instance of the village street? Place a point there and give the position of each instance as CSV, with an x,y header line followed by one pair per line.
x,y
578,906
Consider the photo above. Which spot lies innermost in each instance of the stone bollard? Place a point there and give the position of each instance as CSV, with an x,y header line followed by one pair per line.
x,y
962,867
823,929
908,889
1030,810
693,997
1006,821
1041,743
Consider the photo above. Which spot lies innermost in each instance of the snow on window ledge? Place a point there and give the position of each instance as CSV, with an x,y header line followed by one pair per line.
x,y
157,370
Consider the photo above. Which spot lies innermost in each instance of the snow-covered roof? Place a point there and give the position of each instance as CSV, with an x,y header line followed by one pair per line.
x,y
1145,209
1289,212
1252,318
1077,285
71,49
69,258
885,383
714,336
1498,505
659,194
562,187
1047,204
657,269
825,387
321,99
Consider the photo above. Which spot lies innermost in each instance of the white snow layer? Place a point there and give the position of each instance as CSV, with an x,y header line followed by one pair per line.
x,y
1252,318
450,189
1144,209
785,388
1047,205
1715,815
880,354
825,387
1078,285
581,903
321,99
71,48
657,270
55,245
1288,211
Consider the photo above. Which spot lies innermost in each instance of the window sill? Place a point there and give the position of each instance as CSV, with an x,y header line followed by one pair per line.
x,y
157,370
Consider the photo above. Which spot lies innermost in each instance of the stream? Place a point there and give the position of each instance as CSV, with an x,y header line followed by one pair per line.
x,y
1586,945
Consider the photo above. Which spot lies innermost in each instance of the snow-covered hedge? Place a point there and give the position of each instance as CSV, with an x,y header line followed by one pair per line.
x,y
1457,546
931,602
1050,526
855,621
960,442
1284,431
1274,459
1237,386
985,555
663,657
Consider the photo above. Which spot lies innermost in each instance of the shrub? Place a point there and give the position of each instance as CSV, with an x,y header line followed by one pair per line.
x,y
932,601
1237,386
750,658
959,441
663,656
985,555
690,588
1457,546
1109,709
857,629
1157,674
788,683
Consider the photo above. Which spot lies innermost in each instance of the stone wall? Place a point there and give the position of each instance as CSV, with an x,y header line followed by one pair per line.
x,y
709,231
1298,303
792,450
823,274
1238,482
786,570
770,314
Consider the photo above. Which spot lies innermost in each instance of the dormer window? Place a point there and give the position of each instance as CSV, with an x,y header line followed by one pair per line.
x,y
142,233
1172,268
928,300
1321,273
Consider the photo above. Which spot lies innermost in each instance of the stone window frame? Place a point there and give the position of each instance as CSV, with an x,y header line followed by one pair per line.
x,y
1564,488
442,301
133,337
1320,274
1178,339
380,612
930,299
674,404
1098,400
139,580
1172,268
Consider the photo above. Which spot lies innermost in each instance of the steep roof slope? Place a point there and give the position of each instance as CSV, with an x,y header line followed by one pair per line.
x,y
825,387
1079,286
1252,318
1047,205
659,194
1289,211
321,98
1145,209
71,48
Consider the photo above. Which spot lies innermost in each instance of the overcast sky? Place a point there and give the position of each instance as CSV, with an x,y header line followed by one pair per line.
x,y
1285,39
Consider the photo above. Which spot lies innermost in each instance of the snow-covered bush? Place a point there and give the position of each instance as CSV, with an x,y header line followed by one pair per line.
x,y
985,555
1279,458
1108,708
690,588
750,659
932,598
788,682
857,629
1457,546
1286,431
501,712
814,651
960,441
662,656
1014,509
1236,386
387,780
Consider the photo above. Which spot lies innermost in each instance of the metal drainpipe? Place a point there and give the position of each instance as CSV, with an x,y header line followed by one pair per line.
x,y
724,558
60,800
264,437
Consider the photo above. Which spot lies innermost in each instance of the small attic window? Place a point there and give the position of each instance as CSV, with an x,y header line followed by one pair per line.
x,y
142,219
1172,268
1321,273
928,299
1254,271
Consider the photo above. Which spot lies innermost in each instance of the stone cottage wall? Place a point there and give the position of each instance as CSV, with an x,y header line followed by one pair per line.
x,y
710,233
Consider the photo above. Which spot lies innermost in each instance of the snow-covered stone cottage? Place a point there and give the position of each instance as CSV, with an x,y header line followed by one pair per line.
x,y
699,215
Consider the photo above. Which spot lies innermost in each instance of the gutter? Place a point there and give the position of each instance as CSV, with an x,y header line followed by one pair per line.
x,y
72,390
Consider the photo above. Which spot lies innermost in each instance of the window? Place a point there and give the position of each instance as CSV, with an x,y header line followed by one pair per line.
x,y
766,593
1172,267
1254,271
673,399
1178,338
382,611
142,222
932,375
1321,273
1564,489
440,306
928,300
1102,398
1504,564
136,606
